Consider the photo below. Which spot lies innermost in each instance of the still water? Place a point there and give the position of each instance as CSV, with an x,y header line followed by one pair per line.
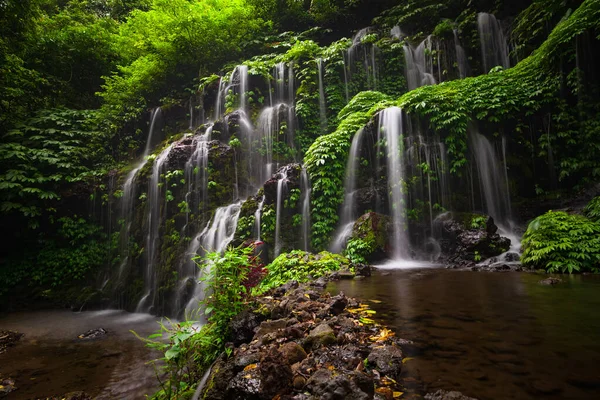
x,y
491,335
50,360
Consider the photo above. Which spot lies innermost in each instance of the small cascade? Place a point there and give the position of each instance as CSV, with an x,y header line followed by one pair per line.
x,y
257,217
348,214
267,133
242,71
322,104
216,236
420,65
281,186
306,190
461,58
220,99
369,58
492,180
279,76
154,221
397,33
426,158
196,175
129,193
346,73
191,127
494,47
391,127
291,85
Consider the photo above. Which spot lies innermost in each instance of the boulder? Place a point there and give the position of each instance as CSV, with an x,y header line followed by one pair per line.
x,y
387,360
242,327
373,229
322,335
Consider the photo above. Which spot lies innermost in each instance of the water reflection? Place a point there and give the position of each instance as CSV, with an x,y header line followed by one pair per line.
x,y
492,335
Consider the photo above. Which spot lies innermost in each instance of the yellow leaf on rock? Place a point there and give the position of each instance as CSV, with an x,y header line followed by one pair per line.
x,y
397,394
249,367
248,376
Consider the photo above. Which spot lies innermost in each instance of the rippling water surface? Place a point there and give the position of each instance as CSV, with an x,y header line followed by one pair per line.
x,y
491,335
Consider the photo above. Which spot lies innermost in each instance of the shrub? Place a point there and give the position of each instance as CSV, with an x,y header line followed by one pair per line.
x,y
300,266
592,210
560,242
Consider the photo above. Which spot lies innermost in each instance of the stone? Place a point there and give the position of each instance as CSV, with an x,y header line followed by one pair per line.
x,y
362,270
325,385
8,339
338,304
270,327
447,395
242,327
276,373
93,334
387,360
292,352
322,335
373,229
551,281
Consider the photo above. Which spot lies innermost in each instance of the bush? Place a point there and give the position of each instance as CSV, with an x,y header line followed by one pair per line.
x,y
592,210
300,266
560,242
190,351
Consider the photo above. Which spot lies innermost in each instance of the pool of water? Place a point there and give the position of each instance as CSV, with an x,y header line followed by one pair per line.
x,y
50,360
491,335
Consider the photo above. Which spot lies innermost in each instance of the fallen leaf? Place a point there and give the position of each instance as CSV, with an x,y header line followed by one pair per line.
x,y
248,376
249,367
375,301
397,394
407,359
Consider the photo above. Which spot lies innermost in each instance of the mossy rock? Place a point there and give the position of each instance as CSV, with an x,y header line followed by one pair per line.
x,y
373,230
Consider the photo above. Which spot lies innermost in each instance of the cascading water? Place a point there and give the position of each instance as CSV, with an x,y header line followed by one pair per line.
x,y
348,214
461,58
491,178
196,175
215,237
243,88
494,47
129,193
306,190
219,101
322,104
154,222
257,217
281,186
369,58
391,127
419,65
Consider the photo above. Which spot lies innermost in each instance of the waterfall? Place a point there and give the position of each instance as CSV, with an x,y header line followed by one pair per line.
x,y
243,88
281,186
419,65
391,127
291,85
129,193
219,101
461,58
322,105
153,239
196,175
306,190
279,75
494,47
257,215
369,60
191,114
216,236
492,180
397,33
346,66
267,133
348,208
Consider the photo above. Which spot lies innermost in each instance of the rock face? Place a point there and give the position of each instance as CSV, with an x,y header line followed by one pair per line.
x,y
314,348
8,339
374,230
470,238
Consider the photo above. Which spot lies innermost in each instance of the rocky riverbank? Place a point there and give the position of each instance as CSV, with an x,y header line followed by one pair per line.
x,y
302,343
